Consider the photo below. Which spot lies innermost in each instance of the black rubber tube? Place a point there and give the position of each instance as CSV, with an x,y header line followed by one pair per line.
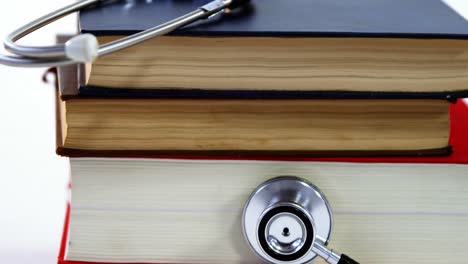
x,y
238,3
346,260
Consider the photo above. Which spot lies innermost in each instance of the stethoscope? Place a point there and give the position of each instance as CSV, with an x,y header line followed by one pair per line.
x,y
85,48
285,220
289,220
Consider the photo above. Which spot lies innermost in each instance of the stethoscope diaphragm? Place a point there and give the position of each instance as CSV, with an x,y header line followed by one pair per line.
x,y
289,220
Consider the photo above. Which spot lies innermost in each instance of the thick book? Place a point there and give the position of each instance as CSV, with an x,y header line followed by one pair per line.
x,y
186,211
271,127
276,48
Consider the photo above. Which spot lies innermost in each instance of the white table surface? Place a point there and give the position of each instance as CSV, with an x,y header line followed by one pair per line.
x,y
33,179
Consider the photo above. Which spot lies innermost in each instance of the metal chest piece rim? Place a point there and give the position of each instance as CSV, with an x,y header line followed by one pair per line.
x,y
284,218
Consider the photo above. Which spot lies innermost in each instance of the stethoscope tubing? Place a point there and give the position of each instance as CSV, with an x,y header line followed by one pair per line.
x,y
48,56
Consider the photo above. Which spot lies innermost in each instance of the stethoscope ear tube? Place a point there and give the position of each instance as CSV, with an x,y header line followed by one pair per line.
x,y
289,220
85,48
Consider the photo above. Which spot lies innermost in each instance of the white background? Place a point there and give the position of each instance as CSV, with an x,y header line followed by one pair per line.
x,y
33,179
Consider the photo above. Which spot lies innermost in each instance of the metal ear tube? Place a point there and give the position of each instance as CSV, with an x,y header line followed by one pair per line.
x,y
289,220
85,48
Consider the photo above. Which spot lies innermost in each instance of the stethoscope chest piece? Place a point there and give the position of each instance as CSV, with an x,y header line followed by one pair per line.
x,y
284,218
289,220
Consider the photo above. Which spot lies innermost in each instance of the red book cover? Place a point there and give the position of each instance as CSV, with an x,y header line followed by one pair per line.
x,y
458,140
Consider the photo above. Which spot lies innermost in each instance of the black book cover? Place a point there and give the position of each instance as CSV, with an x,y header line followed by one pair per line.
x,y
352,18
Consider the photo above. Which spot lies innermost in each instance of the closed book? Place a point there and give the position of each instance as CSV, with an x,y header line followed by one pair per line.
x,y
189,211
275,48
250,127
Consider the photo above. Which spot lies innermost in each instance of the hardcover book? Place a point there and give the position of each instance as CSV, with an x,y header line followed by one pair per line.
x,y
276,48
271,127
189,211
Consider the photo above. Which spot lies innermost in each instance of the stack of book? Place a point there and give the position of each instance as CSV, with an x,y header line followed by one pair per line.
x,y
168,138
